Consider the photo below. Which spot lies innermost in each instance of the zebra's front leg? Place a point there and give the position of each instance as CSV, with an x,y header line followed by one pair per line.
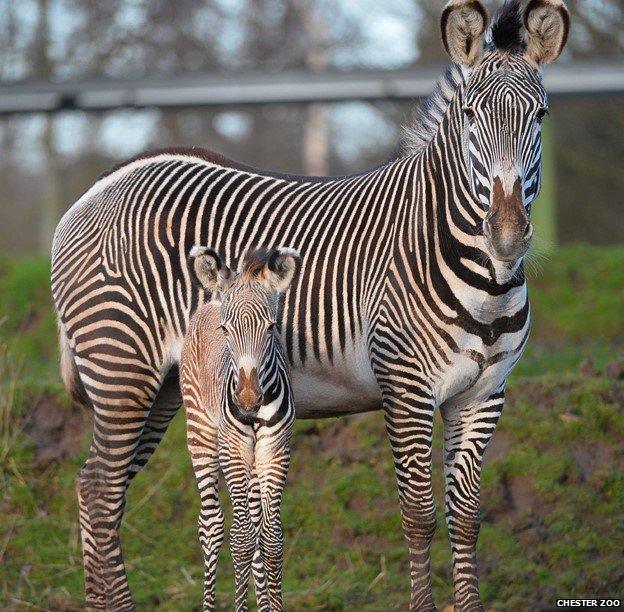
x,y
409,422
466,435
236,460
272,461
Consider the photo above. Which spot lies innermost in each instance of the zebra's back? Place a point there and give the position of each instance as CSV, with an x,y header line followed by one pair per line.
x,y
121,280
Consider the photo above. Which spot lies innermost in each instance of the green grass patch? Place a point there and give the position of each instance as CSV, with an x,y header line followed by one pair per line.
x,y
552,487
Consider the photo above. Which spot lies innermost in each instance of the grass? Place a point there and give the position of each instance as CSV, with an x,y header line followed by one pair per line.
x,y
553,486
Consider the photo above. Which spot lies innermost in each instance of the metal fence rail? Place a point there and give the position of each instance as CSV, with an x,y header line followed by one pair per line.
x,y
286,87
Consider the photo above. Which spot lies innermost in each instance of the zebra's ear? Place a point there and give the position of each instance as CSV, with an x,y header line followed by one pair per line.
x,y
208,269
463,24
280,269
547,24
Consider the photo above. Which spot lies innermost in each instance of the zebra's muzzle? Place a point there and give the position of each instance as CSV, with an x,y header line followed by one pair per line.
x,y
506,228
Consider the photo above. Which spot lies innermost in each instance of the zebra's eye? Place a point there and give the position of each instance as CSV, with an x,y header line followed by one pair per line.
x,y
469,112
270,328
542,112
223,328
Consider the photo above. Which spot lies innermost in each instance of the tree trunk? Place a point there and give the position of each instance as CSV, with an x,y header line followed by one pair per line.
x,y
42,67
315,134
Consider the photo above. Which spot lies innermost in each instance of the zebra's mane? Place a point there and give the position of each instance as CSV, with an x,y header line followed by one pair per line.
x,y
428,116
504,34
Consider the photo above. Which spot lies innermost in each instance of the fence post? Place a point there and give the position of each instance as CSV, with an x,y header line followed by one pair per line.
x,y
51,197
544,210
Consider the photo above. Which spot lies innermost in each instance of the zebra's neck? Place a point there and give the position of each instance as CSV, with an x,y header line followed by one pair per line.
x,y
441,239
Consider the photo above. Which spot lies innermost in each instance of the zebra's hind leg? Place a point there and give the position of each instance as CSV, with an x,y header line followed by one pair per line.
x,y
257,566
164,407
95,587
466,435
203,446
272,460
120,413
409,423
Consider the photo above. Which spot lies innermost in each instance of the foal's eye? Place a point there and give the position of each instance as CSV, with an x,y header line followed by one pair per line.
x,y
223,328
270,328
469,112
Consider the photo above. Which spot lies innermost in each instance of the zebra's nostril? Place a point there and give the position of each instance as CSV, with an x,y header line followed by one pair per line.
x,y
528,231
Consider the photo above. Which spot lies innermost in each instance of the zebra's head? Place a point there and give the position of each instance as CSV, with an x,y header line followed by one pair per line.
x,y
502,107
249,311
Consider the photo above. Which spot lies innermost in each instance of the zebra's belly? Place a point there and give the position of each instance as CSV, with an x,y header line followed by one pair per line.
x,y
346,386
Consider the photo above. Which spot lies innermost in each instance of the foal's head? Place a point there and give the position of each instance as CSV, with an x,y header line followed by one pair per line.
x,y
249,310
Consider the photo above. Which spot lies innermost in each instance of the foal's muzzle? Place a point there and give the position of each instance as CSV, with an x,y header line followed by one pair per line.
x,y
248,394
506,228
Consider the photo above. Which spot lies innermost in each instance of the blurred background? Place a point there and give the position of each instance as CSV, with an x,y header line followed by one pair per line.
x,y
48,160
553,486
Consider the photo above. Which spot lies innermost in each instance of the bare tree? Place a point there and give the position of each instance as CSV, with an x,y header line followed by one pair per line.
x,y
315,137
42,67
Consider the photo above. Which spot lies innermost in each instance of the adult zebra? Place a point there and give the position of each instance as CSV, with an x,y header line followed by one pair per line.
x,y
411,294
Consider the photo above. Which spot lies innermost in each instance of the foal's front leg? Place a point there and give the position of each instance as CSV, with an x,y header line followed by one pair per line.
x,y
202,444
257,566
236,460
466,435
272,460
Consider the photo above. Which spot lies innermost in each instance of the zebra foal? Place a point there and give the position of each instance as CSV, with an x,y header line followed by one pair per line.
x,y
240,412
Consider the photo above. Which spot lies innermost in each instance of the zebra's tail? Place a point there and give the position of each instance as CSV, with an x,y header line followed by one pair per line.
x,y
69,373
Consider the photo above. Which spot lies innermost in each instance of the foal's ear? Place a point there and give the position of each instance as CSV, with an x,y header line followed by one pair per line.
x,y
280,269
208,269
463,25
547,23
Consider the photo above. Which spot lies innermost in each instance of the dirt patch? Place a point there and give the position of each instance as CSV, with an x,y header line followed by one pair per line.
x,y
514,498
338,439
358,502
497,447
540,396
57,430
614,369
592,460
522,495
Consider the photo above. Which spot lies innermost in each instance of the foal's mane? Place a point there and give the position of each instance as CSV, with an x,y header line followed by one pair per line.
x,y
254,262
